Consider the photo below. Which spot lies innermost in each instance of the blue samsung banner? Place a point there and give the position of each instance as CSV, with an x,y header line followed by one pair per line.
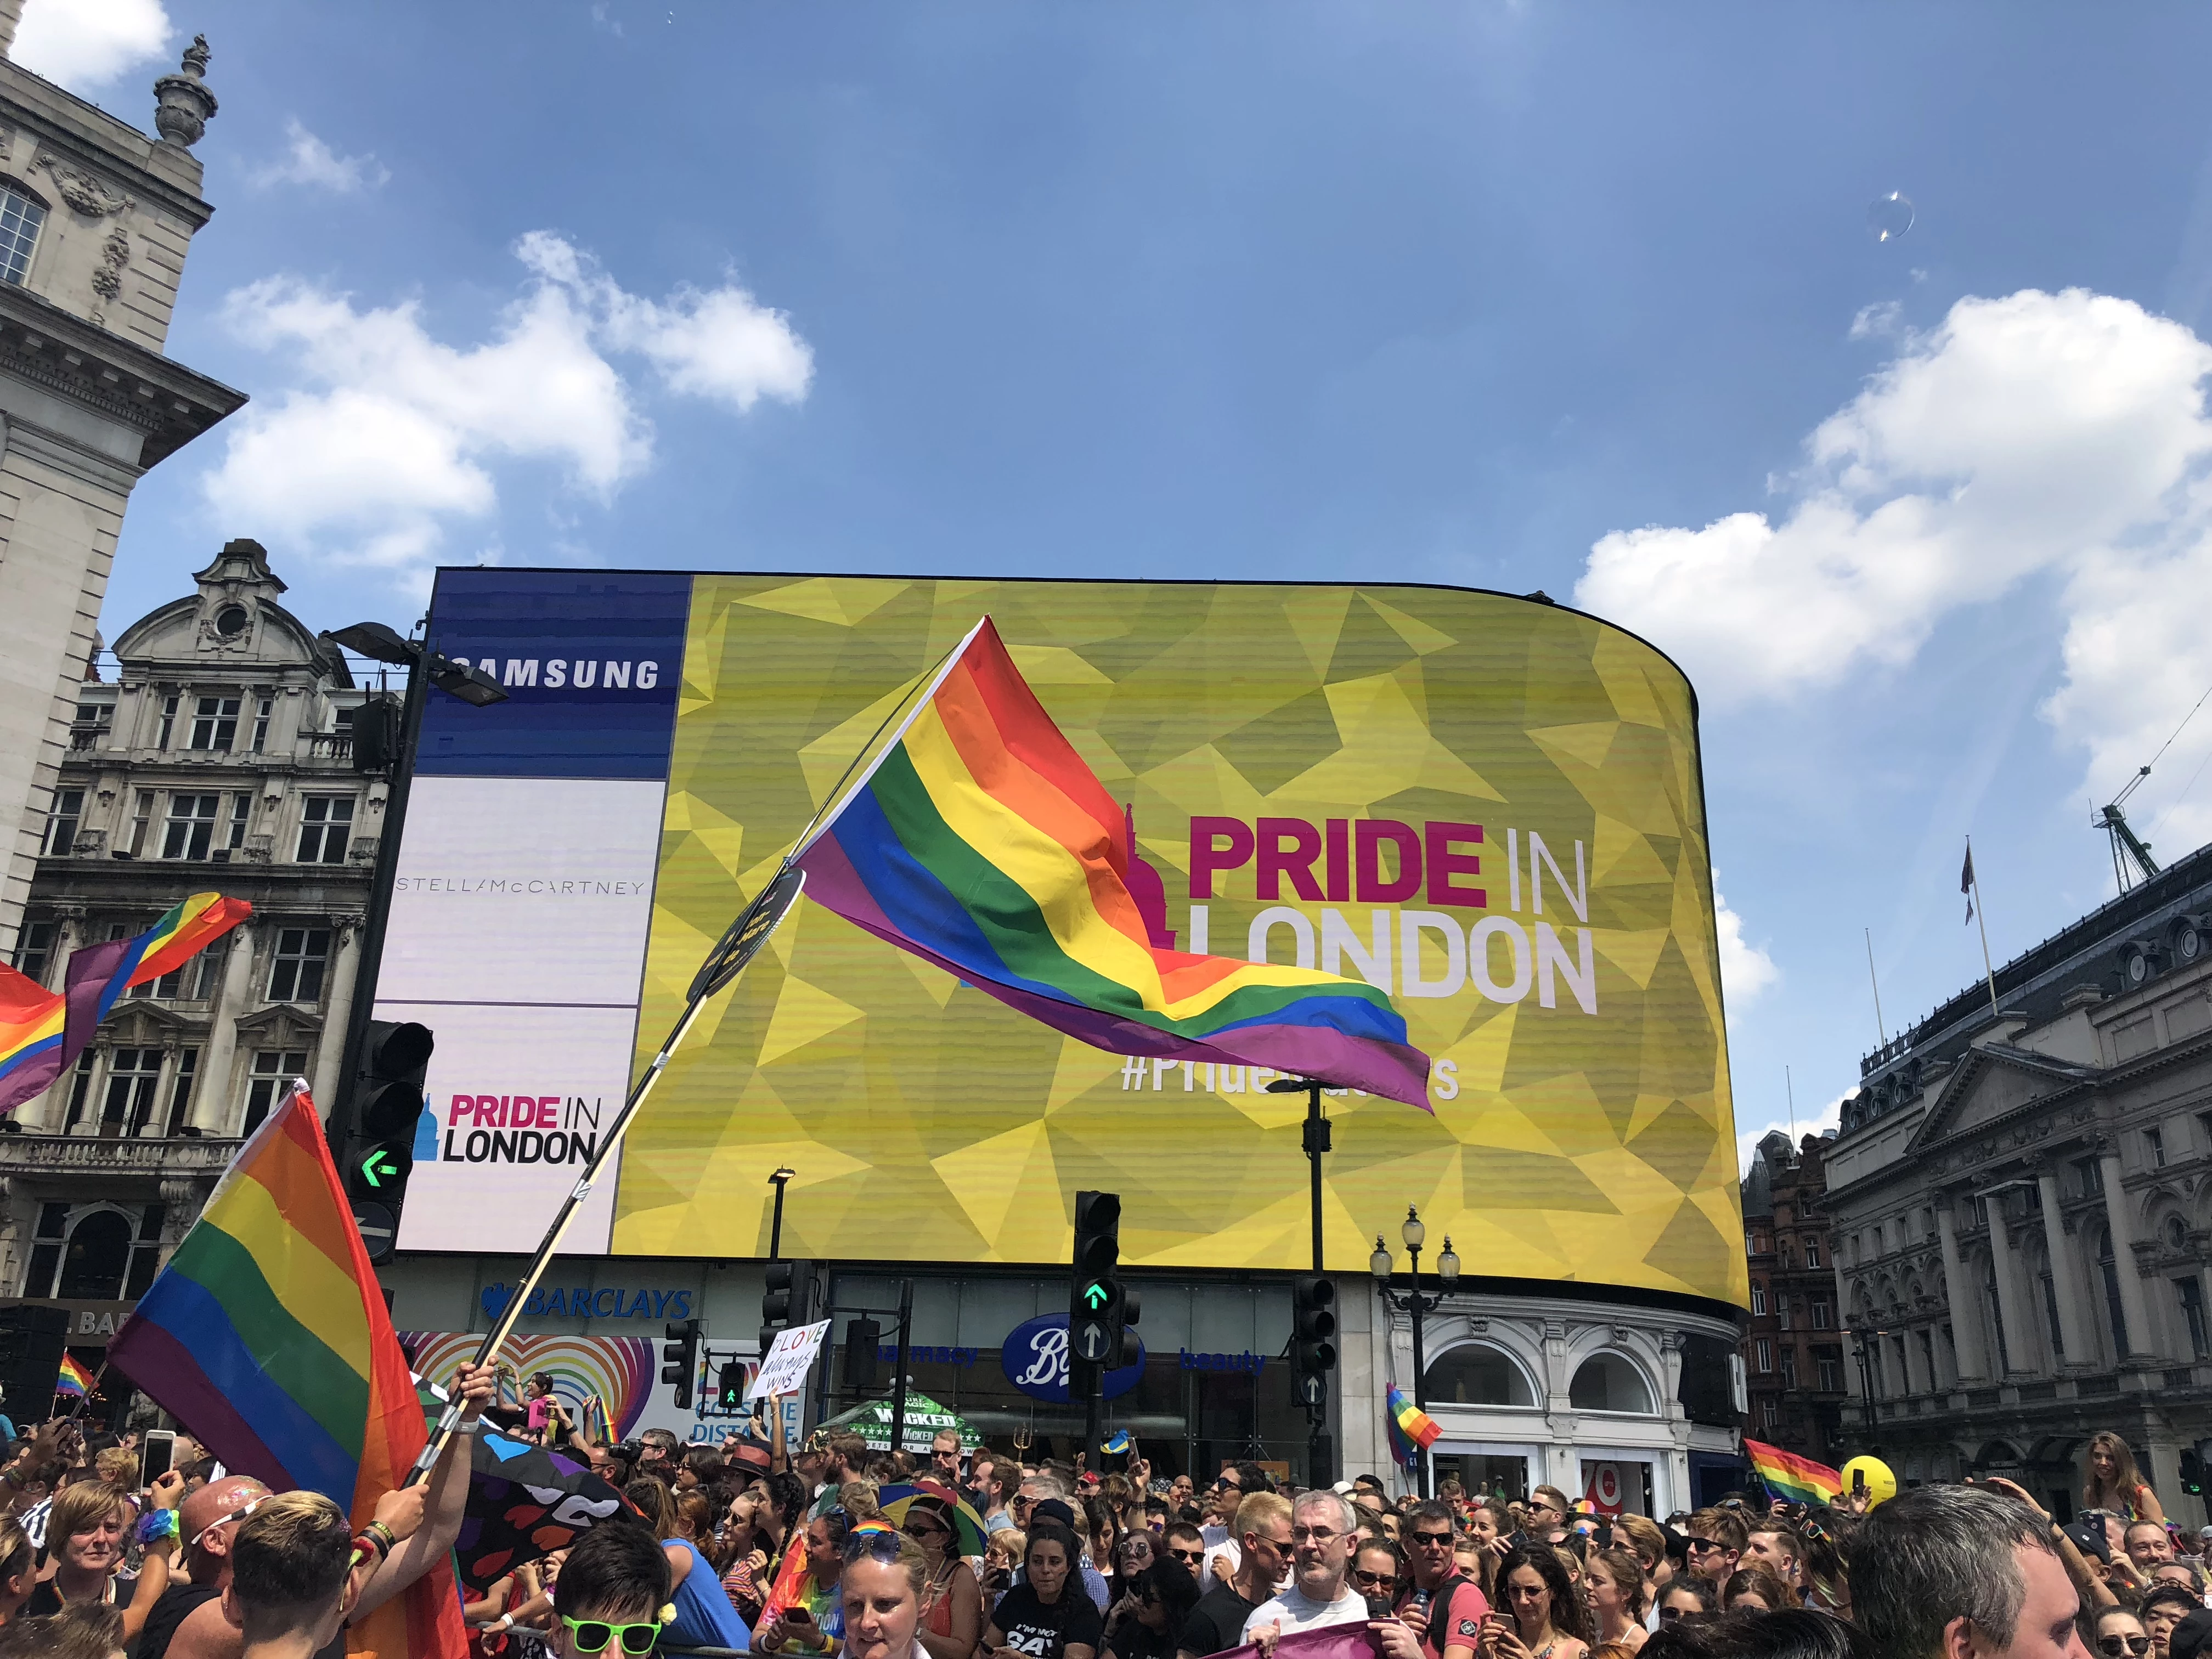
x,y
591,663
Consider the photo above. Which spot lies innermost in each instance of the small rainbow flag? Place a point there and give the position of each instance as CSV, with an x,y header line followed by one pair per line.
x,y
980,840
1790,1478
267,1333
75,1381
1413,1431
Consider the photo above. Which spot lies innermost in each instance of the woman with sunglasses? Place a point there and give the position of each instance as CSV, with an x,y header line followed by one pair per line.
x,y
1378,1571
1684,1597
880,1590
746,1551
951,1600
1756,1589
1544,1619
2120,1635
1161,1597
1613,1585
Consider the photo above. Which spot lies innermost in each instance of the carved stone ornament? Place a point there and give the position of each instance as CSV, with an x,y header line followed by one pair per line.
x,y
80,189
114,255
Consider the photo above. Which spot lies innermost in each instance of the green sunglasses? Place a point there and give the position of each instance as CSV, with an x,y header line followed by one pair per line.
x,y
594,1635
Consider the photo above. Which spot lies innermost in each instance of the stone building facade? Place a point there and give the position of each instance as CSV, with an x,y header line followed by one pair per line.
x,y
2020,1201
1792,1345
96,220
218,756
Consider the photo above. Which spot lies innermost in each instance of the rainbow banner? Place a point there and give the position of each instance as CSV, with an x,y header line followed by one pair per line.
x,y
75,1381
40,1041
1790,1478
1413,1431
266,1336
979,840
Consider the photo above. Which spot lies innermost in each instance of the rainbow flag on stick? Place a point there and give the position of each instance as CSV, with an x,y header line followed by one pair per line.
x,y
40,1040
1790,1478
979,840
266,1336
75,1381
1413,1431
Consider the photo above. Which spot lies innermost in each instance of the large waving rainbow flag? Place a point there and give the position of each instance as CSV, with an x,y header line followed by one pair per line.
x,y
1790,1478
39,1040
267,1337
979,839
1413,1431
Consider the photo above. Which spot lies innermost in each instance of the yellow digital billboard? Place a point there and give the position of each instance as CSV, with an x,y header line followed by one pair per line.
x,y
1491,807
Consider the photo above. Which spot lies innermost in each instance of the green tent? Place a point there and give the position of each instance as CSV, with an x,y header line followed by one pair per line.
x,y
872,1421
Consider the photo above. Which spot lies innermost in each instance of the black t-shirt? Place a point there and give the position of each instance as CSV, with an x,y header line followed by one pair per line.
x,y
177,1603
1217,1623
1045,1632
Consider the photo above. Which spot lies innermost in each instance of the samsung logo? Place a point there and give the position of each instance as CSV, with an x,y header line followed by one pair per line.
x,y
572,673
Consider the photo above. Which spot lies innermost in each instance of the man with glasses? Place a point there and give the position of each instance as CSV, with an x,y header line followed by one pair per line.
x,y
1717,1541
1547,1514
1321,1562
1217,1623
1441,1606
945,1456
608,1598
1235,1484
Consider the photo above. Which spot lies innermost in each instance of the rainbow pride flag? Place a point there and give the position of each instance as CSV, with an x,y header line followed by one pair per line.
x,y
75,1381
979,840
30,1034
172,942
1413,1431
266,1336
1790,1478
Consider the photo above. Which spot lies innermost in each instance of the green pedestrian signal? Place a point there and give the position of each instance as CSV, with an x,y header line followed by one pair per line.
x,y
378,1168
1096,1296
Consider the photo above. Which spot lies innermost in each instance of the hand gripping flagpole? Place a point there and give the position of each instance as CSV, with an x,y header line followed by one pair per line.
x,y
735,948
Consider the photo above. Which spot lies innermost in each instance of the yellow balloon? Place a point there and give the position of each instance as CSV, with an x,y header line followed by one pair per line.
x,y
1881,1483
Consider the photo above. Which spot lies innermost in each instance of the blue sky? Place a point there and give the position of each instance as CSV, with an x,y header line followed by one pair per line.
x,y
1578,298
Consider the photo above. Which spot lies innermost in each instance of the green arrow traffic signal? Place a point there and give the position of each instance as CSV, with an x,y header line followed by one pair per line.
x,y
1096,1296
377,1167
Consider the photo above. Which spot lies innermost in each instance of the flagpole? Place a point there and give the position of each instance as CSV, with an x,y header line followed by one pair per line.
x,y
1982,920
1880,1029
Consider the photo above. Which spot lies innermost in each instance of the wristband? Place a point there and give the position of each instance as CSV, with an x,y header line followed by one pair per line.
x,y
468,1426
386,1539
155,1525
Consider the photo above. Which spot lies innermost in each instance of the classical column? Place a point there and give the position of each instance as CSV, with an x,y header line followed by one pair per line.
x,y
2065,1274
2020,1335
330,1053
2132,1305
1965,1299
212,1100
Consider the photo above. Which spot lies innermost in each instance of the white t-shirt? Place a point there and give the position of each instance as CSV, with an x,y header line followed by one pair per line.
x,y
1219,1541
1294,1610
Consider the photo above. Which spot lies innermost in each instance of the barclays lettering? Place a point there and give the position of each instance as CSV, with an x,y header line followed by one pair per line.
x,y
583,1301
1034,1357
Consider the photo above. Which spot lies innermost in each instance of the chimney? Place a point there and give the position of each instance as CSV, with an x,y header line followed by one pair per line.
x,y
11,14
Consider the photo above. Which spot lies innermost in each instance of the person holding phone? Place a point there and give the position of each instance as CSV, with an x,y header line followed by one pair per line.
x,y
813,1621
1544,1619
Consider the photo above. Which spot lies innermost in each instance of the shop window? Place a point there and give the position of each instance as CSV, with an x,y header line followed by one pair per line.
x,y
1474,1374
295,972
1613,1382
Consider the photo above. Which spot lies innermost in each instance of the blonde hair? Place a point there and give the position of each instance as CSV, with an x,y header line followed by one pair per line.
x,y
1009,1541
858,1499
288,1564
1644,1537
81,1507
1259,1510
118,1466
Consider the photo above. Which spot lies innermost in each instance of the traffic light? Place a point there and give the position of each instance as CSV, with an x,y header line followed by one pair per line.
x,y
1096,1291
863,1339
679,1357
1313,1336
376,735
383,1106
730,1387
785,1302
2192,1473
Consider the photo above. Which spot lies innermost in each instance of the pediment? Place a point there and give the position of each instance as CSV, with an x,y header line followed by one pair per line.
x,y
144,1024
280,1027
1990,1083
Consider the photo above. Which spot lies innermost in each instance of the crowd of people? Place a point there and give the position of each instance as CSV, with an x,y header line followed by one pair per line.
x,y
831,1551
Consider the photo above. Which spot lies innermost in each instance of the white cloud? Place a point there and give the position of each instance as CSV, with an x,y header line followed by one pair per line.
x,y
1829,1116
312,162
80,44
2056,434
1745,968
388,436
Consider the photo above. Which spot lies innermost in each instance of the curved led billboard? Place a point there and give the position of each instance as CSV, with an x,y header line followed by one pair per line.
x,y
1488,806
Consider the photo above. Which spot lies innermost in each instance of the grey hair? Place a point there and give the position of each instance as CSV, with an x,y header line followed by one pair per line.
x,y
1315,1498
1049,1483
1936,1553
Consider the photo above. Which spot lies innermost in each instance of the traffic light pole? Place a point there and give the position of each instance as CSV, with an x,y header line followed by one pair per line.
x,y
1316,1143
898,1379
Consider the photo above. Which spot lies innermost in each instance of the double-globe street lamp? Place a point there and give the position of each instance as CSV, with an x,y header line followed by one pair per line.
x,y
1414,1234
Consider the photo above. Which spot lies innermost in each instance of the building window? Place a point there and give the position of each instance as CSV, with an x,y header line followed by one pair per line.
x,y
108,1255
1476,1375
241,813
272,1069
62,821
180,1091
207,971
190,831
325,826
215,724
168,722
34,949
19,219
2204,1129
2092,1173
79,1087
2112,1276
2192,1315
1770,1412
1831,1374
1928,1360
2154,1148
2051,1315
169,984
1997,1320
263,708
1821,1313
142,820
1758,1301
46,1249
1610,1383
296,973
1812,1253
1788,1366
1763,1351
128,1104
1782,1310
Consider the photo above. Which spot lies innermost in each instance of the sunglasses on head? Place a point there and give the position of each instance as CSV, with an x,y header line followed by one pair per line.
x,y
2117,1644
238,1514
596,1635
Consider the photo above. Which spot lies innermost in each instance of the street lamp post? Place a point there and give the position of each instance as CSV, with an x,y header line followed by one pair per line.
x,y
1414,1234
776,1226
1864,1337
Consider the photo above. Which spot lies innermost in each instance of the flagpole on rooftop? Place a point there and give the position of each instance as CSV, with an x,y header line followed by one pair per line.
x,y
1981,916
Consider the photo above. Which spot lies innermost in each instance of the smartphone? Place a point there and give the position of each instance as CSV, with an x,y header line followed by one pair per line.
x,y
157,1453
1858,1483
797,1616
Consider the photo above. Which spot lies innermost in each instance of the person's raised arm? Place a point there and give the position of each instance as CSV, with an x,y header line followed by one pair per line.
x,y
432,1510
169,1490
778,1440
2091,1583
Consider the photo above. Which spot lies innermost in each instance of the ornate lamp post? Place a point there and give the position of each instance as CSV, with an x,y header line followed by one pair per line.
x,y
1414,1234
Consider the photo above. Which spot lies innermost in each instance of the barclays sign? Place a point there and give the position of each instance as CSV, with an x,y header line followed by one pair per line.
x,y
1034,1355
